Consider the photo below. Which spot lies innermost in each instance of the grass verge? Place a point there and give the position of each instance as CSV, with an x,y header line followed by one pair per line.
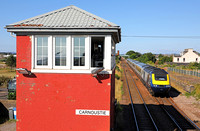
x,y
7,73
118,82
195,93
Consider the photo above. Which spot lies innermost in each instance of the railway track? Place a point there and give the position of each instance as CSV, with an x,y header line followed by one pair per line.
x,y
147,117
142,116
179,118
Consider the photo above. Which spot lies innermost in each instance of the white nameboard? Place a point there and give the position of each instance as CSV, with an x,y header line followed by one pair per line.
x,y
92,112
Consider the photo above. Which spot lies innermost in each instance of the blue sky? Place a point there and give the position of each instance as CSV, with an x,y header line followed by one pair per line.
x,y
136,18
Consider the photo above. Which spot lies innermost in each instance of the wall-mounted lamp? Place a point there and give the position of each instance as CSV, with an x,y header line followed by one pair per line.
x,y
96,71
23,71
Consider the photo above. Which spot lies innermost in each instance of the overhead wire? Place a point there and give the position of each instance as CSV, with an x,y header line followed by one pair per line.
x,y
165,37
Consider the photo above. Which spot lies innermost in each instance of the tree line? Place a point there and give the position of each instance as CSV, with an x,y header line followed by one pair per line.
x,y
149,57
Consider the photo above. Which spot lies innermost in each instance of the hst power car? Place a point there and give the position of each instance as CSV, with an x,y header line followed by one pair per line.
x,y
155,79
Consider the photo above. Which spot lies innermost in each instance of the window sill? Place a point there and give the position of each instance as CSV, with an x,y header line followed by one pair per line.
x,y
65,71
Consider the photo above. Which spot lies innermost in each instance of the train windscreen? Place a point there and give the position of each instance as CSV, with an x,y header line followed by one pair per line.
x,y
161,77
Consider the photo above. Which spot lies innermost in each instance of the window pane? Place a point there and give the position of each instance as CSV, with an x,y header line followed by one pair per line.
x,y
42,51
57,61
45,61
60,51
63,41
57,51
63,51
45,51
63,61
45,41
76,41
82,51
39,41
39,60
39,51
76,52
82,61
57,41
82,41
79,51
76,61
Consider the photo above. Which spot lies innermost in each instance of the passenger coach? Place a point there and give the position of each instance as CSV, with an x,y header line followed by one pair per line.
x,y
155,79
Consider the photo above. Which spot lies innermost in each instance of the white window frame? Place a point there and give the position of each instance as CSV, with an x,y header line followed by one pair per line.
x,y
68,52
87,42
49,66
90,39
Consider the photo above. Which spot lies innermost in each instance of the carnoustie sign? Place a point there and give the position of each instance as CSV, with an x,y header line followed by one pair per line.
x,y
92,112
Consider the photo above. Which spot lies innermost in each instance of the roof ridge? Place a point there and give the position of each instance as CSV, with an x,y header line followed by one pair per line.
x,y
92,15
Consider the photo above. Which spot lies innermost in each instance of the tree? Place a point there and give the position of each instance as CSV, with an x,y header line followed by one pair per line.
x,y
146,58
164,59
11,61
160,56
135,55
130,52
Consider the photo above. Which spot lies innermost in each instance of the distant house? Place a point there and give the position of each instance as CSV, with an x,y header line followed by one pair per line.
x,y
187,56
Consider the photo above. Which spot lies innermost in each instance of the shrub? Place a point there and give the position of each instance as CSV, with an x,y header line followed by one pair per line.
x,y
117,59
195,92
4,80
12,95
117,76
117,68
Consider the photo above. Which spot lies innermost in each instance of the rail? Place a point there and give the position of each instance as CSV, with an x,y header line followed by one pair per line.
x,y
153,122
182,113
136,123
170,116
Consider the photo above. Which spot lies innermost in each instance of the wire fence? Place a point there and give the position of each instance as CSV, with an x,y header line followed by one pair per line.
x,y
185,72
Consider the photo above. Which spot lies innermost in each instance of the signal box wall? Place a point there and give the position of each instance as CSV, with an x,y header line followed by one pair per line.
x,y
47,101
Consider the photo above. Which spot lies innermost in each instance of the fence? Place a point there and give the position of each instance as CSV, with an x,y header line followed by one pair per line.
x,y
185,72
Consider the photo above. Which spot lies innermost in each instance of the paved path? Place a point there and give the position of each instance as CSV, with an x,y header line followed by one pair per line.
x,y
8,126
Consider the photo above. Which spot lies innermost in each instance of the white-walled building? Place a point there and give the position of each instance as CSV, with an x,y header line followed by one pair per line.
x,y
187,56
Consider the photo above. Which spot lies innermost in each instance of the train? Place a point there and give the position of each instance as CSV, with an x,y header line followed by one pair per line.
x,y
155,79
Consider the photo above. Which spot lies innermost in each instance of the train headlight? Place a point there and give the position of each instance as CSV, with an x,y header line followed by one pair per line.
x,y
168,86
155,85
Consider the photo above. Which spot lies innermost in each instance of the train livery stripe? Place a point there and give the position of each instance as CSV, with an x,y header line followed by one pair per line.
x,y
156,82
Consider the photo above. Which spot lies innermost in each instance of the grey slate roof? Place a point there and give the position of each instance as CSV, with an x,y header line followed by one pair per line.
x,y
68,17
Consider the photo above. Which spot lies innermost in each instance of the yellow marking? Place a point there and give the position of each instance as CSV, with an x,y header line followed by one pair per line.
x,y
156,82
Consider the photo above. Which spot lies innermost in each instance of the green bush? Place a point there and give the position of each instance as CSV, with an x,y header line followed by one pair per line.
x,y
4,80
125,57
117,68
117,76
3,60
117,59
12,95
195,92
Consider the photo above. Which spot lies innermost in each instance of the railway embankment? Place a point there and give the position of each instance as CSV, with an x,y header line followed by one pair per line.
x,y
186,84
125,118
